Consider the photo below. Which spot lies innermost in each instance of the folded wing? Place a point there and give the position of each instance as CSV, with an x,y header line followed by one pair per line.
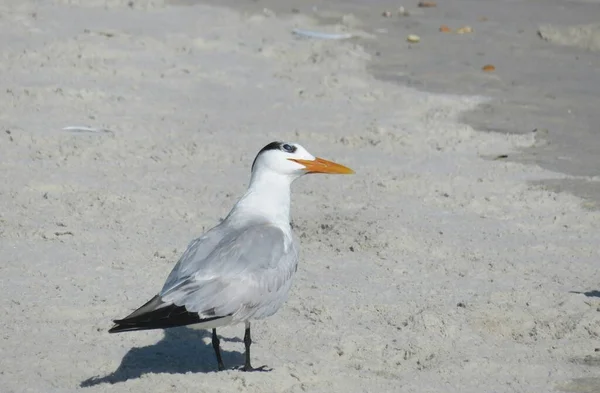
x,y
235,275
243,275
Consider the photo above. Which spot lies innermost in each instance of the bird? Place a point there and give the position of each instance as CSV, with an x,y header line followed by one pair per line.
x,y
242,269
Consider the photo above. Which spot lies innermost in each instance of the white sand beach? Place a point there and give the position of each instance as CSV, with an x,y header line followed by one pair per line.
x,y
437,267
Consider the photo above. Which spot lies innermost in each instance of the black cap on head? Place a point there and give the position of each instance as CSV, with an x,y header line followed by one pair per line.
x,y
277,145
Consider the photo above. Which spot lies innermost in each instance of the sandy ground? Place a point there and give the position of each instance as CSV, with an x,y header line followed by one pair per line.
x,y
546,54
434,269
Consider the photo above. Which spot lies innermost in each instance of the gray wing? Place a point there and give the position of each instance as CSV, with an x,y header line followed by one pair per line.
x,y
247,273
194,258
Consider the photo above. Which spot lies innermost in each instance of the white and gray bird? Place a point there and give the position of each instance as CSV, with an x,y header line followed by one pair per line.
x,y
241,269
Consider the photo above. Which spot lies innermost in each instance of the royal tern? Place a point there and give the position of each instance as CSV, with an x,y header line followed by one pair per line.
x,y
241,269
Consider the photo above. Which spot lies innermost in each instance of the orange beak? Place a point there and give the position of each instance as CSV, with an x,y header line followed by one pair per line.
x,y
319,165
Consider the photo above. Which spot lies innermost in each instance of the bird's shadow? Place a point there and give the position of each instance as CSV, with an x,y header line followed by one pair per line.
x,y
592,293
180,351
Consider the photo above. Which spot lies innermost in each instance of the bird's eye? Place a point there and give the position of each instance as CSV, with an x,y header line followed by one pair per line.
x,y
288,148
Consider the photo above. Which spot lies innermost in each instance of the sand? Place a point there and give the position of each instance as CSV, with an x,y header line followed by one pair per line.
x,y
438,267
547,74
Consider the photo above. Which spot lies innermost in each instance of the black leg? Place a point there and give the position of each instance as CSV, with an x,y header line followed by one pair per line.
x,y
247,343
215,343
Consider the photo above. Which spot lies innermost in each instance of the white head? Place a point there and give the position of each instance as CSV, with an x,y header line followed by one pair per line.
x,y
292,160
274,169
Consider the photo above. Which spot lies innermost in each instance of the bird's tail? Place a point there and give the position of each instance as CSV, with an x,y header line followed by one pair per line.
x,y
156,314
125,327
139,319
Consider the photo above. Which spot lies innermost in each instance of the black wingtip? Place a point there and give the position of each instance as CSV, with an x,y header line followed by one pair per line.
x,y
117,327
122,325
156,315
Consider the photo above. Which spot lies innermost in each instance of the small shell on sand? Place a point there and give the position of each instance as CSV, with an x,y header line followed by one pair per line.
x,y
464,30
427,4
403,12
488,68
445,29
413,38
